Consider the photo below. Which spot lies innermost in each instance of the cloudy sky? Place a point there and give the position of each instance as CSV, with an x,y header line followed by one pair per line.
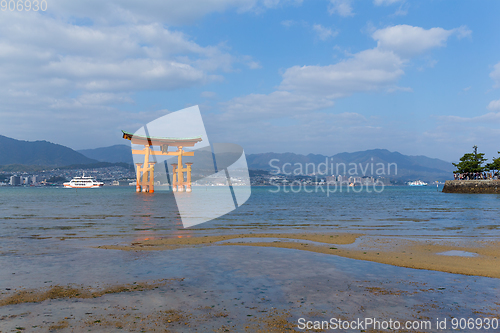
x,y
303,76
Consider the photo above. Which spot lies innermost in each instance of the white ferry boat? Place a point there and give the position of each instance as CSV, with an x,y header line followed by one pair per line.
x,y
417,183
83,182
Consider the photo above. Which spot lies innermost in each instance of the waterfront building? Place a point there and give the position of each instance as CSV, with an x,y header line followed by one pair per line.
x,y
331,179
15,180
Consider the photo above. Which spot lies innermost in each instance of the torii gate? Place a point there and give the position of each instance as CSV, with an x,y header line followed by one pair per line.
x,y
145,171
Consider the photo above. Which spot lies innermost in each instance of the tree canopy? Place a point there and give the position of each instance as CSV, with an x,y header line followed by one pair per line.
x,y
495,165
471,162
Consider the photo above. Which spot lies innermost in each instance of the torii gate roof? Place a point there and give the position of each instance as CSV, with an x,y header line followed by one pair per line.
x,y
158,141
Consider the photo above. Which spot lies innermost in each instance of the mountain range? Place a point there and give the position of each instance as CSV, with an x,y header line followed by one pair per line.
x,y
408,167
43,153
112,154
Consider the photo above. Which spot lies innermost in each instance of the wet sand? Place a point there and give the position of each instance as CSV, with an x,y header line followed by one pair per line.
x,y
73,291
397,251
256,282
246,289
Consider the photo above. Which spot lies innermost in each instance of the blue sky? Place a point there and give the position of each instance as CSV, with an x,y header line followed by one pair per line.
x,y
303,76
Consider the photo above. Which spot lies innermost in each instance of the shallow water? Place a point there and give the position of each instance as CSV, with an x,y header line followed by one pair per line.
x,y
109,211
47,237
38,222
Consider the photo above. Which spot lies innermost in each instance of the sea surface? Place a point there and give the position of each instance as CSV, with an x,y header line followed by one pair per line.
x,y
49,229
27,213
48,236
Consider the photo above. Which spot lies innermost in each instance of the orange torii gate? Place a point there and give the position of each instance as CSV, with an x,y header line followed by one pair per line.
x,y
145,171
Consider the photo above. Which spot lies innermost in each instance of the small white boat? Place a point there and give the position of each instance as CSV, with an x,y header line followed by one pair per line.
x,y
83,182
417,183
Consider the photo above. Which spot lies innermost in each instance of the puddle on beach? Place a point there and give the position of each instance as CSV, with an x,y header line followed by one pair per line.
x,y
458,253
271,240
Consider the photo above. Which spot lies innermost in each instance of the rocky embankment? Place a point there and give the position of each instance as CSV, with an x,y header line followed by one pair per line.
x,y
472,186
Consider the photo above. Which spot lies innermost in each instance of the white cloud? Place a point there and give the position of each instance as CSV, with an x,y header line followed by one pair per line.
x,y
76,75
274,105
104,98
409,41
50,56
323,32
488,118
341,7
494,105
402,9
288,23
367,70
172,12
462,32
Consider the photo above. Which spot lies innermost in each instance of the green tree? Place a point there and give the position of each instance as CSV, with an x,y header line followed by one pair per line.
x,y
495,165
471,162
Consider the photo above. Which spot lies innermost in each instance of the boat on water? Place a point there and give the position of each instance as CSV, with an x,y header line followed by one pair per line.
x,y
83,182
417,183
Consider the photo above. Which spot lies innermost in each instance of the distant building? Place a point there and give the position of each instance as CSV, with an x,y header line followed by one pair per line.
x,y
15,180
34,180
331,179
120,182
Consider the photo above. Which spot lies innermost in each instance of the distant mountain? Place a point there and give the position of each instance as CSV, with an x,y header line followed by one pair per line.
x,y
41,153
112,154
408,167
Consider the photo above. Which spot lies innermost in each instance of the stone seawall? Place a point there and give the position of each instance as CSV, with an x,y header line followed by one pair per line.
x,y
472,186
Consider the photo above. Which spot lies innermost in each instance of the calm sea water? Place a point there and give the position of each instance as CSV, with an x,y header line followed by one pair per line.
x,y
35,213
